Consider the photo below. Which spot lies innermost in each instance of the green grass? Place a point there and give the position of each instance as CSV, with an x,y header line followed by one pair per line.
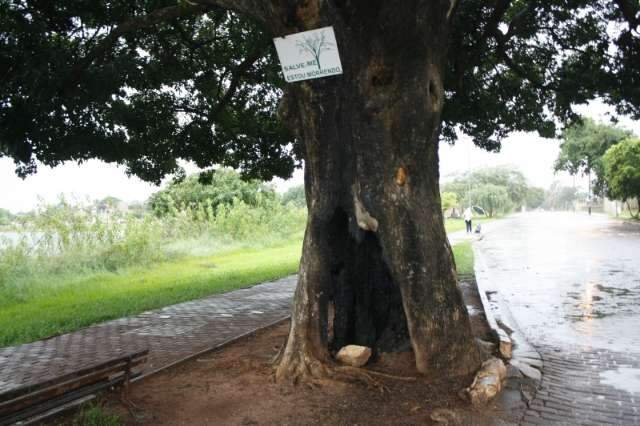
x,y
94,415
624,215
463,254
453,225
63,305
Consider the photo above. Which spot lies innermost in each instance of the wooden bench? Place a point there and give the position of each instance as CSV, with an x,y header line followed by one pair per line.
x,y
33,400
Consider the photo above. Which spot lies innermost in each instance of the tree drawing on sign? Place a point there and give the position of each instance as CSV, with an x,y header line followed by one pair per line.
x,y
315,45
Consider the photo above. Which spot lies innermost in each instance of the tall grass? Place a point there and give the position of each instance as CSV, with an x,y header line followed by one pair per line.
x,y
70,240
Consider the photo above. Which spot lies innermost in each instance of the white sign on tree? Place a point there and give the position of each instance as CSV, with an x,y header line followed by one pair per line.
x,y
310,54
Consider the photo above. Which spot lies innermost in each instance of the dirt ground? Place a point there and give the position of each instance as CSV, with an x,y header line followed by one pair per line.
x,y
235,386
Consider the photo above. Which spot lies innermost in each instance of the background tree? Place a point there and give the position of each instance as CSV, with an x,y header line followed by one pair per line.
x,y
147,82
510,178
584,144
492,198
535,197
622,172
460,186
295,195
211,189
449,200
507,177
561,197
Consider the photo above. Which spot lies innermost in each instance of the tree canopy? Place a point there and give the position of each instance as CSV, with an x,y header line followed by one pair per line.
x,y
535,197
147,82
622,170
561,197
510,179
449,200
296,196
492,198
583,147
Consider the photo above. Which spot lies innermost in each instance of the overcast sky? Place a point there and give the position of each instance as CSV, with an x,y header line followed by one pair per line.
x,y
94,179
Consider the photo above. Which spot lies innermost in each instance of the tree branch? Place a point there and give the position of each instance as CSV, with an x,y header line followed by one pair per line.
x,y
492,25
519,71
237,76
630,10
140,22
252,8
517,18
257,9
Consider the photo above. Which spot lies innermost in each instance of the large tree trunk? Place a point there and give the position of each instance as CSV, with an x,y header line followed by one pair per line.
x,y
376,267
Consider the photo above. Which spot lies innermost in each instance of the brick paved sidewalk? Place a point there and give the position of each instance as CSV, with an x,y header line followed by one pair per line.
x,y
574,390
171,334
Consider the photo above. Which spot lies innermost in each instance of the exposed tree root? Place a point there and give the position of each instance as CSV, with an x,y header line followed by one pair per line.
x,y
346,373
316,373
385,375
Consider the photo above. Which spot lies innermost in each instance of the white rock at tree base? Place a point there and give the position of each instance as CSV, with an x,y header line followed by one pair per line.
x,y
354,355
488,382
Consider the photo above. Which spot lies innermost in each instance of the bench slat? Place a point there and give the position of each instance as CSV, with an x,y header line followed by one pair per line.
x,y
58,389
31,400
14,393
35,410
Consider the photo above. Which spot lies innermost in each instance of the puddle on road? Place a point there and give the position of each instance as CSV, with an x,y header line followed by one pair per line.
x,y
569,280
597,301
625,379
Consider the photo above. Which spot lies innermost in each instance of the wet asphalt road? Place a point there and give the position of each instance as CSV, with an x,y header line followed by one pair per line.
x,y
572,285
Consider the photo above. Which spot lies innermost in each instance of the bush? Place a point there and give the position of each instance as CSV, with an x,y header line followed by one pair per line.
x,y
220,187
296,196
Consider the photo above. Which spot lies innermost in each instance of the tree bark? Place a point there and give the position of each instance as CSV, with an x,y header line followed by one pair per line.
x,y
376,267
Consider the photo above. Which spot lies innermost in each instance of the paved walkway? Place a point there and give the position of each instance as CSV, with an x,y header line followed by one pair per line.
x,y
574,389
572,286
171,334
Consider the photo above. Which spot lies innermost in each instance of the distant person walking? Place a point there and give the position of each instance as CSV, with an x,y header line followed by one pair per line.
x,y
468,216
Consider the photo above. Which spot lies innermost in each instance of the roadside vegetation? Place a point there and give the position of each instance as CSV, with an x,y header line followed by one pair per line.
x,y
75,264
463,253
493,191
610,158
622,173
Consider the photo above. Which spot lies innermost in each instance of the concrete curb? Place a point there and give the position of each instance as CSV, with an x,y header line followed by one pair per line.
x,y
525,364
505,344
502,322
